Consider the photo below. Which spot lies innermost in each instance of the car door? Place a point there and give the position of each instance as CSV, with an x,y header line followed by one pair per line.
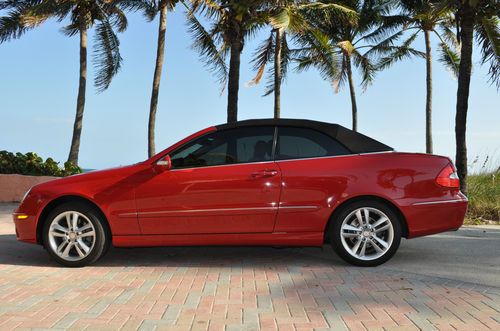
x,y
310,184
222,182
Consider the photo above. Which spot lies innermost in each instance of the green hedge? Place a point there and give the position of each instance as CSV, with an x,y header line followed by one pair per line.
x,y
484,197
32,164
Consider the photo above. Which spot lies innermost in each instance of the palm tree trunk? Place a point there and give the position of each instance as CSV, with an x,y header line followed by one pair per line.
x,y
160,51
80,103
428,100
353,94
464,75
234,80
277,75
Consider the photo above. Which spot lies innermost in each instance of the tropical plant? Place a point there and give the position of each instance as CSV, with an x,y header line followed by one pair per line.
x,y
423,18
231,23
484,196
477,19
33,165
151,8
287,17
105,15
334,46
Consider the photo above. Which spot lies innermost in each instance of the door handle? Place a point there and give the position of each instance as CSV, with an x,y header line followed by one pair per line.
x,y
264,173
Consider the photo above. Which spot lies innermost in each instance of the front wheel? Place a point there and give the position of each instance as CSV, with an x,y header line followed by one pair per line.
x,y
74,235
366,233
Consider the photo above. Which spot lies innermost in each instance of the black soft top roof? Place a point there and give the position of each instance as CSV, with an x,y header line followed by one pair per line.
x,y
354,141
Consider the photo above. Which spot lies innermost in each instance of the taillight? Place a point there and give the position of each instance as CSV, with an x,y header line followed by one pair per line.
x,y
448,178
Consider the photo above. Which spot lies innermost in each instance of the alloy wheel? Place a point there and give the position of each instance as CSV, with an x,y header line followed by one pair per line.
x,y
72,236
367,233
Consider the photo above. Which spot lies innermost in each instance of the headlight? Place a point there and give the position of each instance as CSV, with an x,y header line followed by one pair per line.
x,y
25,195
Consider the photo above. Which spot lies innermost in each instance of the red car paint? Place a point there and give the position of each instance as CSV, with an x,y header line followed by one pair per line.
x,y
287,202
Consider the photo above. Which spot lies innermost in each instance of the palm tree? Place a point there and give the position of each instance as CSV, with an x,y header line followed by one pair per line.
x,y
335,47
482,19
286,17
232,22
83,14
423,18
151,8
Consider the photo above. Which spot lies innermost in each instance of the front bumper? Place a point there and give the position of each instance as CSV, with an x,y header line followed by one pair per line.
x,y
25,227
26,216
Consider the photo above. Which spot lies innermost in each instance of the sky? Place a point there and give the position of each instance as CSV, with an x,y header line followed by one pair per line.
x,y
39,84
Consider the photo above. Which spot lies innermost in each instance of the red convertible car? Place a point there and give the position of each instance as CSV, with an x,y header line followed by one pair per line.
x,y
257,182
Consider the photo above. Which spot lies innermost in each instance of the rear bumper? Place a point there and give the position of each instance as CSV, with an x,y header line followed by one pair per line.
x,y
435,216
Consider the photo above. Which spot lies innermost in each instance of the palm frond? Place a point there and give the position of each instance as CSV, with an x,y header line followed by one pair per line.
x,y
388,25
285,62
340,76
372,14
252,27
281,20
18,4
35,14
448,57
27,14
148,7
316,52
383,46
11,26
368,69
262,57
439,9
488,37
10,4
209,8
448,34
205,43
107,58
286,57
288,18
336,11
399,53
117,18
70,30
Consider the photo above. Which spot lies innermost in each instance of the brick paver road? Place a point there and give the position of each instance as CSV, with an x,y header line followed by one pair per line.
x,y
232,289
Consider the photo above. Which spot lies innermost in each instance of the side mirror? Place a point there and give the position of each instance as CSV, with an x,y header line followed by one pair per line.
x,y
165,163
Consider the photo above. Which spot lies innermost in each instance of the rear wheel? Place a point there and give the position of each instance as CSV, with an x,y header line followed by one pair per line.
x,y
74,235
366,233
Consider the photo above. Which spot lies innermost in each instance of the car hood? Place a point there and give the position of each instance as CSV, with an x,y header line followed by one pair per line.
x,y
90,178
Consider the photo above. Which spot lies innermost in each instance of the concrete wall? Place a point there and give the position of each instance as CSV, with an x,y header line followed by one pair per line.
x,y
13,187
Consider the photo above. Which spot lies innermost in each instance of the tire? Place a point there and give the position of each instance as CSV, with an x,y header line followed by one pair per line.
x,y
87,242
362,244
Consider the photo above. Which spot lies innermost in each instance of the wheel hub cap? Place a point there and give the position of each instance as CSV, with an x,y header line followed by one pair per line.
x,y
72,235
367,233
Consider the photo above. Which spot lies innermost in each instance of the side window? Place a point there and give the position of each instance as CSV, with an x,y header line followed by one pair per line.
x,y
240,145
297,143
